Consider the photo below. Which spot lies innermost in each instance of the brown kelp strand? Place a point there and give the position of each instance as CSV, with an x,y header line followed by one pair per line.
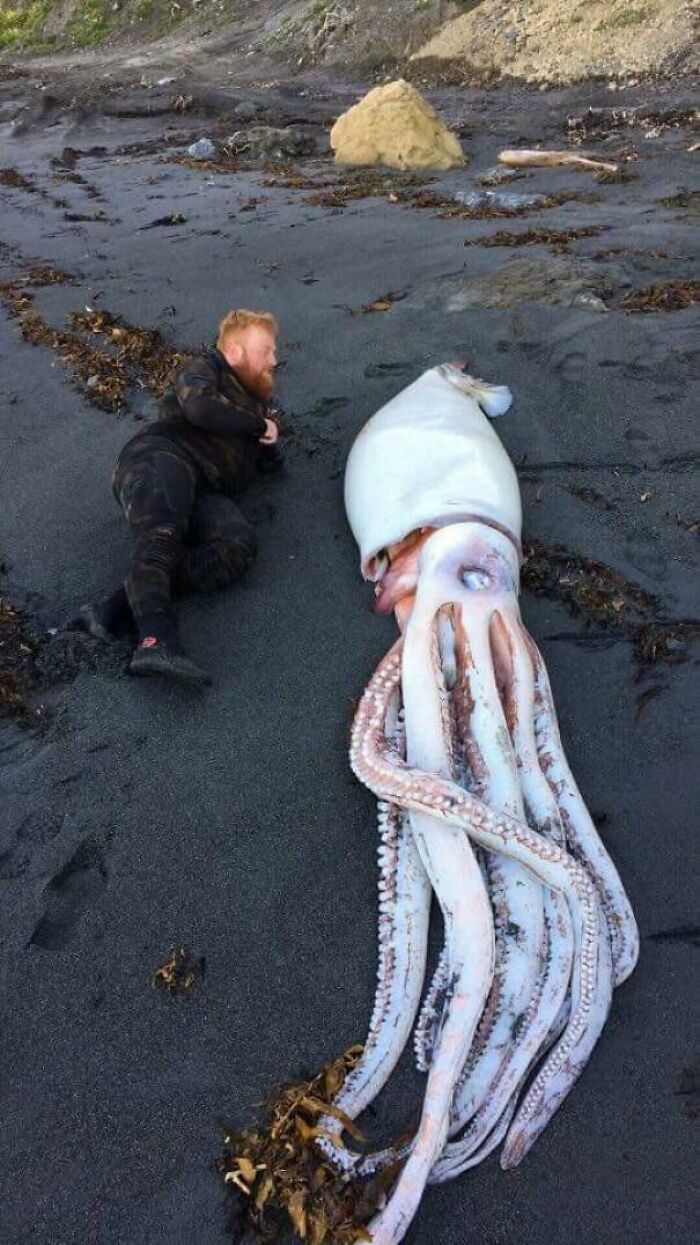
x,y
601,596
664,296
558,239
178,973
133,355
279,1178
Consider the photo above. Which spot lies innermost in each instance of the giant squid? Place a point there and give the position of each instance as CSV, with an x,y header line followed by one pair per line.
x,y
457,737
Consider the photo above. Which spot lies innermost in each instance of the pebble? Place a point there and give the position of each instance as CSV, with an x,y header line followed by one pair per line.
x,y
203,149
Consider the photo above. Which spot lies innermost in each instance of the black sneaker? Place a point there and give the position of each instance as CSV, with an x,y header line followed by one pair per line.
x,y
155,657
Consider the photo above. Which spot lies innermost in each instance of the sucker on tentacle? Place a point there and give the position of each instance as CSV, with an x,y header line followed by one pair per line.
x,y
426,1029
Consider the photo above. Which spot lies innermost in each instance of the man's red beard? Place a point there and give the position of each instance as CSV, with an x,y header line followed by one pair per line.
x,y
260,384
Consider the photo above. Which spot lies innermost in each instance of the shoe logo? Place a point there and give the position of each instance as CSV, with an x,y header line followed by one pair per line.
x,y
149,641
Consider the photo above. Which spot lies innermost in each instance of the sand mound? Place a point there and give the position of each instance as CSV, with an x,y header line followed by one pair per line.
x,y
566,40
394,125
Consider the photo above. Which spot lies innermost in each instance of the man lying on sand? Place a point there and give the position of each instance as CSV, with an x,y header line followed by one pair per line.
x,y
176,481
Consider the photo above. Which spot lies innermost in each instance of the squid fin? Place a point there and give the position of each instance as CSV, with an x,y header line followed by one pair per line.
x,y
494,400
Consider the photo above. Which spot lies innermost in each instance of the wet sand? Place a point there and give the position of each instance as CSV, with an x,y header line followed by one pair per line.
x,y
144,818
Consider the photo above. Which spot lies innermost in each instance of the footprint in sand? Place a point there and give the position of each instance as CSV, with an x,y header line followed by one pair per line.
x,y
35,830
572,364
69,894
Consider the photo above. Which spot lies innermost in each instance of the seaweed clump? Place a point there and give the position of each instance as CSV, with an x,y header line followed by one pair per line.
x,y
32,662
178,973
666,296
279,1177
18,672
39,274
284,174
595,592
599,123
144,350
370,184
223,162
616,177
16,181
99,375
134,356
558,239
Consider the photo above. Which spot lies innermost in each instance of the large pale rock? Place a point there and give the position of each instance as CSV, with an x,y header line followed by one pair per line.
x,y
394,125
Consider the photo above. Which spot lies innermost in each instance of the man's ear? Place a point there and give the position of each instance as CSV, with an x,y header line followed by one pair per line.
x,y
234,352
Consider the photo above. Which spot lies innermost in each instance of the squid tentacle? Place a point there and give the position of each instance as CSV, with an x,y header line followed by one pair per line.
x,y
461,893
461,1154
469,771
517,677
518,898
589,1011
389,776
404,911
581,835
444,1170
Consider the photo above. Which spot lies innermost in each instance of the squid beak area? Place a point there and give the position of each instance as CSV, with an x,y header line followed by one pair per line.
x,y
400,579
393,587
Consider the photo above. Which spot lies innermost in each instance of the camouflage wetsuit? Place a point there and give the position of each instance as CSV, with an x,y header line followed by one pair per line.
x,y
175,482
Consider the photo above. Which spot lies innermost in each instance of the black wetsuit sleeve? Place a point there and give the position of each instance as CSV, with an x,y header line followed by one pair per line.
x,y
202,404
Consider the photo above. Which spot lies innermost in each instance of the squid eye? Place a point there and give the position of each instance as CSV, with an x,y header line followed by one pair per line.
x,y
475,579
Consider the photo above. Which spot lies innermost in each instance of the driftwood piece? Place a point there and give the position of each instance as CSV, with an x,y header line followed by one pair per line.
x,y
523,158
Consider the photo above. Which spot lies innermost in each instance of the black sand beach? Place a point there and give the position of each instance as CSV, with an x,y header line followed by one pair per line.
x,y
139,819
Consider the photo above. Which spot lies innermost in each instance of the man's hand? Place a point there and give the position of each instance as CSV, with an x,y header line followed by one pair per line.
x,y
272,432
